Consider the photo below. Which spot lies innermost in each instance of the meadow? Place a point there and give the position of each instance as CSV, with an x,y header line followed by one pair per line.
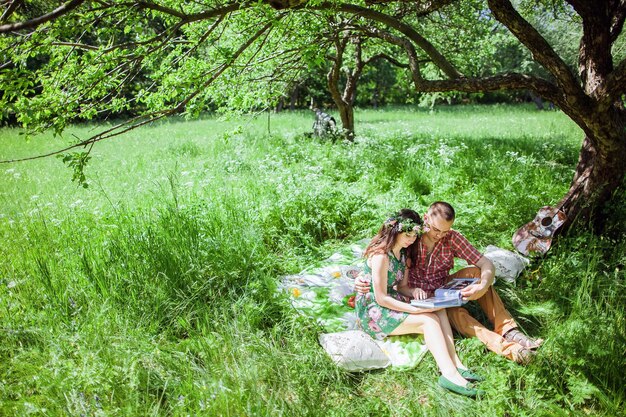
x,y
153,292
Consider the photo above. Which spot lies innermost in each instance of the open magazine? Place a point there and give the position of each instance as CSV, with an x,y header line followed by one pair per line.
x,y
447,296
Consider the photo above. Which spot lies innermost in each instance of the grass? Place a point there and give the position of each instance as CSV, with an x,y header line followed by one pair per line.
x,y
153,292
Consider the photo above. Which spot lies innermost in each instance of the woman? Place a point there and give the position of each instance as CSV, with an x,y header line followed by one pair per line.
x,y
382,312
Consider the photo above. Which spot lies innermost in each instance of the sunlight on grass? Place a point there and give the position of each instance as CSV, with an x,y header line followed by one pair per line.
x,y
153,291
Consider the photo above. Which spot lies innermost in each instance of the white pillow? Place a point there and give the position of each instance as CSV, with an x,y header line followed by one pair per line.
x,y
354,350
508,264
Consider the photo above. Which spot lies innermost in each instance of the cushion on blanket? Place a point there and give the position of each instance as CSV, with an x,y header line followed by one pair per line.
x,y
354,350
508,264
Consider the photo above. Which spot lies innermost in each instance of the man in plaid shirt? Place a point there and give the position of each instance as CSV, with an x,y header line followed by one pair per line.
x,y
432,261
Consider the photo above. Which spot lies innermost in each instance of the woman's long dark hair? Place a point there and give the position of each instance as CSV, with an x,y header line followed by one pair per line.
x,y
388,233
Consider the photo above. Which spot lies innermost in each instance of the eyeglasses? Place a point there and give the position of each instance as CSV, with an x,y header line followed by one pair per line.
x,y
437,231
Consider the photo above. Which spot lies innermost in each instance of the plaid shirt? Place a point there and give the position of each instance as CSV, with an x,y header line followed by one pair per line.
x,y
430,272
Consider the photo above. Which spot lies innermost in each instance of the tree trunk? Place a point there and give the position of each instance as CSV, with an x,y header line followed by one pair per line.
x,y
346,113
293,98
600,171
280,105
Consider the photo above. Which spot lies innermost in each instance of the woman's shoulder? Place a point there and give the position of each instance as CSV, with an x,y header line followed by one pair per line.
x,y
378,256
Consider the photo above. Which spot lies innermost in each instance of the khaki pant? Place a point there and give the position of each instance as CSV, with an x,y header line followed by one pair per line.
x,y
494,309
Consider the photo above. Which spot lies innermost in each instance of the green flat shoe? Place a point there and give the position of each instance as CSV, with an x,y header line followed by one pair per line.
x,y
470,376
467,390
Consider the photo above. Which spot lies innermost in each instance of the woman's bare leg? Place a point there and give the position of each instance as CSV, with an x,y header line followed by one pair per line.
x,y
447,333
430,325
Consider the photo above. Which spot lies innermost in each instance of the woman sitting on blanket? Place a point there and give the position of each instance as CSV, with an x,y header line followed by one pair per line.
x,y
384,311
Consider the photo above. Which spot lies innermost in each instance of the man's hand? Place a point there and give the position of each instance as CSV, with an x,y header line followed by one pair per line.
x,y
474,291
361,285
487,272
419,294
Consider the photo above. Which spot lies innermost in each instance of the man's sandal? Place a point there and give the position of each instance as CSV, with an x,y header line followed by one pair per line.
x,y
524,356
520,338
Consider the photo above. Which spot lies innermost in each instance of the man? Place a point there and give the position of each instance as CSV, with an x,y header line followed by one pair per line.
x,y
436,250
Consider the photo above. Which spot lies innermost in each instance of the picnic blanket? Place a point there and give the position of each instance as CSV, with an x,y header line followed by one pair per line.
x,y
325,293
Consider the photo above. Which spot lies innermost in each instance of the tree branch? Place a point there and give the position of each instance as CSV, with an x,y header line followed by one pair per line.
x,y
76,45
29,24
13,4
187,18
184,19
617,22
507,81
510,81
614,86
541,50
428,48
126,45
159,8
332,78
69,6
409,49
388,58
422,8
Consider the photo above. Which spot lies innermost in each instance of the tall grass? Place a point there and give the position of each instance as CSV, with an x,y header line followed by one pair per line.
x,y
153,292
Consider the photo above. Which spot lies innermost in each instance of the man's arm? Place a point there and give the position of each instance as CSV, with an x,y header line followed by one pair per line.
x,y
487,274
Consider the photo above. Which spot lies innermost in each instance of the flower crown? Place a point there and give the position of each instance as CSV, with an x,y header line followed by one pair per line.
x,y
403,224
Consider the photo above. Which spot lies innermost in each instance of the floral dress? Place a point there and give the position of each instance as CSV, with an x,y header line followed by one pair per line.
x,y
372,318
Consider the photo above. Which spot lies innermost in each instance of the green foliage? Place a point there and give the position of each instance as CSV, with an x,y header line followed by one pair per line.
x,y
120,60
153,291
77,162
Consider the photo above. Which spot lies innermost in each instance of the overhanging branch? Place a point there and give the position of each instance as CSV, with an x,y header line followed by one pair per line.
x,y
541,50
13,5
142,120
29,24
419,8
508,81
388,58
188,18
404,43
428,48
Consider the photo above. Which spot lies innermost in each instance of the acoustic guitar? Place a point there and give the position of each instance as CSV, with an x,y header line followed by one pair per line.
x,y
535,237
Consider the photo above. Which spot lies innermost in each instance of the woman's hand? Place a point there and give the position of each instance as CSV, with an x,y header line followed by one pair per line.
x,y
361,285
419,294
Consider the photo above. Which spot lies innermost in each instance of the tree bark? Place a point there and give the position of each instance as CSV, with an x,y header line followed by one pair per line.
x,y
345,100
346,113
601,168
597,176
